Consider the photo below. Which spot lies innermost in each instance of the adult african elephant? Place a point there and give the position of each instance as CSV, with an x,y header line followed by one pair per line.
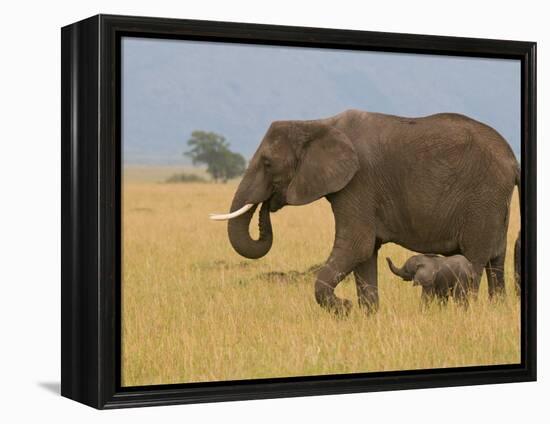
x,y
437,184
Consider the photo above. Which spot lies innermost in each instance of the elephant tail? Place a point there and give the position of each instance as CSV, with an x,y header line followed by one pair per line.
x,y
518,185
517,246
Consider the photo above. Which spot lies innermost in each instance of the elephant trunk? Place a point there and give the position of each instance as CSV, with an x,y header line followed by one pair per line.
x,y
400,272
239,235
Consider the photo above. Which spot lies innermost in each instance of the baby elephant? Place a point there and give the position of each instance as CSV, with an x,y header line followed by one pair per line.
x,y
439,276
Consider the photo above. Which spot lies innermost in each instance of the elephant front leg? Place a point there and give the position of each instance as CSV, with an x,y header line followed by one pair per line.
x,y
427,297
338,266
366,281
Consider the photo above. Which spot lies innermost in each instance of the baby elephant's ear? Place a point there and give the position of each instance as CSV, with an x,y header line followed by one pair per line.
x,y
424,276
327,162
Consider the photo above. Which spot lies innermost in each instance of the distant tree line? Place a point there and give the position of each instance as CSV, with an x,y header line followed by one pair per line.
x,y
212,150
184,177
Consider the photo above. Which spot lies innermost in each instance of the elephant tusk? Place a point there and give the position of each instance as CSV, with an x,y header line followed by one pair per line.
x,y
226,216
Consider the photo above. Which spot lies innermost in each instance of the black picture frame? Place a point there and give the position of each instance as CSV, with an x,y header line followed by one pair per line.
x,y
91,210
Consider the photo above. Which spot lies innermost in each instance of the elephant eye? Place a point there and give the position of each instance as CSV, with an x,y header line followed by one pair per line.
x,y
267,164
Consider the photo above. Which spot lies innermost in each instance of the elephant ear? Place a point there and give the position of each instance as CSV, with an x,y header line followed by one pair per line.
x,y
424,276
327,163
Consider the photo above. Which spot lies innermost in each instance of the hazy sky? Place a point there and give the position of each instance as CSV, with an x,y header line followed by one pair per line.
x,y
172,87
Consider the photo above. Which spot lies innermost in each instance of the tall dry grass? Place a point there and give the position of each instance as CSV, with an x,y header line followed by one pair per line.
x,y
193,310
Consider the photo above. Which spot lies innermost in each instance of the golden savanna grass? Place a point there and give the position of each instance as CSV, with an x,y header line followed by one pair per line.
x,y
193,310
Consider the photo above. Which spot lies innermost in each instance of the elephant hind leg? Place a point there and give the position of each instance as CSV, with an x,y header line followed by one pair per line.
x,y
495,276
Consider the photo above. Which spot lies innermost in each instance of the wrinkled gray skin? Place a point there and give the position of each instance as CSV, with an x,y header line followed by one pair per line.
x,y
437,184
439,276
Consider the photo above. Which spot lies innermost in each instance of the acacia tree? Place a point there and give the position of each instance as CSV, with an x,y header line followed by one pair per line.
x,y
234,165
212,150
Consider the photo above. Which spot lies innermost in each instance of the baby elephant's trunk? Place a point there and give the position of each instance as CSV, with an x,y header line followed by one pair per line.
x,y
400,272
